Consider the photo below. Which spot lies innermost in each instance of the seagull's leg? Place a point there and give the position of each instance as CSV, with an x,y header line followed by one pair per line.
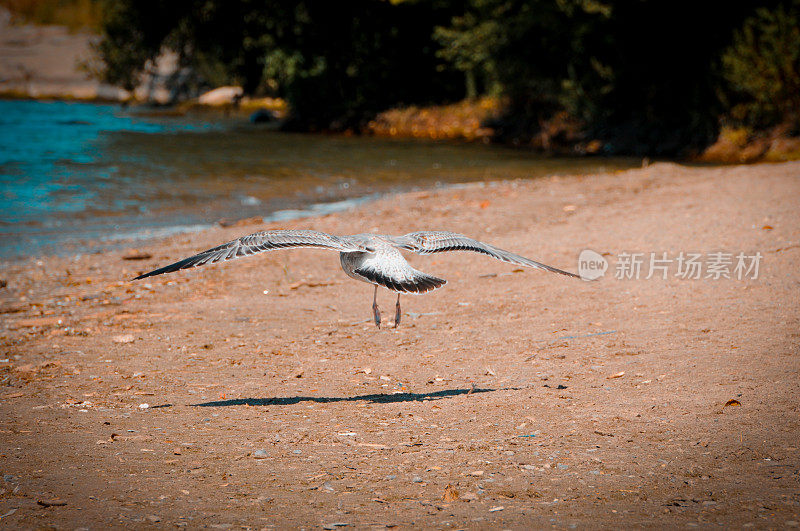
x,y
375,311
397,314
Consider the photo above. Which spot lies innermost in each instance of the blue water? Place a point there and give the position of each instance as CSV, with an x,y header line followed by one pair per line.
x,y
52,157
57,171
77,177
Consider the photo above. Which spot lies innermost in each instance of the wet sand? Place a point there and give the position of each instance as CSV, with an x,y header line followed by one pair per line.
x,y
540,400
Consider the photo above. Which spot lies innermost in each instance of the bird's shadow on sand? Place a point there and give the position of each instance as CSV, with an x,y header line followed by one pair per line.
x,y
376,398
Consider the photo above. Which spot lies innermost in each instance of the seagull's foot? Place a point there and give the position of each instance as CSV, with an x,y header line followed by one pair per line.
x,y
397,313
376,312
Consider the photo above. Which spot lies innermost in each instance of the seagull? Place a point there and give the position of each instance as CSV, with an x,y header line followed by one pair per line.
x,y
371,258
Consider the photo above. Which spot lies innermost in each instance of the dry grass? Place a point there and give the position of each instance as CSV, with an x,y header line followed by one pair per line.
x,y
462,120
74,14
737,145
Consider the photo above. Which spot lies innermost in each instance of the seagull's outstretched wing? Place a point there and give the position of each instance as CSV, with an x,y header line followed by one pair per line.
x,y
428,242
259,242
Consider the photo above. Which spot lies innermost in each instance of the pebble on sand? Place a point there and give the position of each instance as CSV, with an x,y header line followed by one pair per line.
x,y
135,254
450,494
51,503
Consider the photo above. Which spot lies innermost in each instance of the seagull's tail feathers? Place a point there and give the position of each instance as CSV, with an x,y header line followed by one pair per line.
x,y
416,283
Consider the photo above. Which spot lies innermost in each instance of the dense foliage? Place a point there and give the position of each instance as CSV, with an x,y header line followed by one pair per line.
x,y
762,67
643,76
649,76
336,62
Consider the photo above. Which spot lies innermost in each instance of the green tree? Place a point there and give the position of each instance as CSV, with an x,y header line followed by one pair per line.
x,y
468,44
762,67
643,76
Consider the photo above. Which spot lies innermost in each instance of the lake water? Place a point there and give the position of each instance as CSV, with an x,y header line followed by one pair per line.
x,y
76,177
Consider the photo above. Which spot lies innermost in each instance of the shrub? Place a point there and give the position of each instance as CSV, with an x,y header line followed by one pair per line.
x,y
762,67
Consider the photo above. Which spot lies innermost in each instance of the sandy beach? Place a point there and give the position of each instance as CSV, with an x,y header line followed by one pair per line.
x,y
258,393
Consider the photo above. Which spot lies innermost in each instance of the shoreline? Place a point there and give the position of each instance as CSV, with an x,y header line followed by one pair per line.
x,y
150,235
450,123
259,173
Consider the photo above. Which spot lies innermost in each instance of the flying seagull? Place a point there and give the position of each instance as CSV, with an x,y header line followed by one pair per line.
x,y
371,258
